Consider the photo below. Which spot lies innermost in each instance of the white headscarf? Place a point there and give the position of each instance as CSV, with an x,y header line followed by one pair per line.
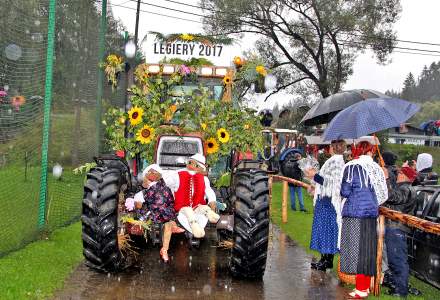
x,y
424,161
154,167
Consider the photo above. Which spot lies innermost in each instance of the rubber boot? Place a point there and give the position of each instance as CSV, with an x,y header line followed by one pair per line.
x,y
326,264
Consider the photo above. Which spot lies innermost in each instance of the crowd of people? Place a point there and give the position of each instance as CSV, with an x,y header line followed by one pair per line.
x,y
347,196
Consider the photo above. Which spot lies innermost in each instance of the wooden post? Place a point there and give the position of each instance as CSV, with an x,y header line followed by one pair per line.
x,y
284,204
381,233
270,195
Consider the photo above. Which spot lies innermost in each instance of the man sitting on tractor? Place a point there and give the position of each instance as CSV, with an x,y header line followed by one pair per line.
x,y
191,188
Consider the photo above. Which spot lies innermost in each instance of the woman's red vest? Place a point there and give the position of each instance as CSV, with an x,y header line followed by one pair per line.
x,y
189,184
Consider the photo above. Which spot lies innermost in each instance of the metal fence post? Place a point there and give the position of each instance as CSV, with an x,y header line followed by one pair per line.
x,y
46,121
102,32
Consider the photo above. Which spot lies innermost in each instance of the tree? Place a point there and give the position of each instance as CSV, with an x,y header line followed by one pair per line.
x,y
311,44
409,86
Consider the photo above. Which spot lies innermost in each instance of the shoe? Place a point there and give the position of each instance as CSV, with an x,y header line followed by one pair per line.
x,y
414,291
197,230
356,294
387,280
304,210
327,263
164,255
314,264
293,208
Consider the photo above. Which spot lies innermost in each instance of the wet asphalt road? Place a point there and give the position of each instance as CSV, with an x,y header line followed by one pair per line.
x,y
203,274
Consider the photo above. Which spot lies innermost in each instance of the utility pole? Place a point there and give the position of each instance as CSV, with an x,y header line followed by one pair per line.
x,y
136,30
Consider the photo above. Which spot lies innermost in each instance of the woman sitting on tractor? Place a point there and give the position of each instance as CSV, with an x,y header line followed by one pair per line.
x,y
159,202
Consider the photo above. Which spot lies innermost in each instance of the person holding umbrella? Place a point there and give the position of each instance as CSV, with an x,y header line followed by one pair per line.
x,y
327,200
364,188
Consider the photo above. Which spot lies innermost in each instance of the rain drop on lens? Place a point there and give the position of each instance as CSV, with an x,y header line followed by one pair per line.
x,y
95,195
207,289
6,88
13,52
37,22
173,289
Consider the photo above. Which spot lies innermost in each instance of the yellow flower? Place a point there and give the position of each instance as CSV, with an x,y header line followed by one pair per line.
x,y
186,37
135,115
246,126
227,80
122,120
114,59
203,126
238,61
145,134
211,146
222,135
261,70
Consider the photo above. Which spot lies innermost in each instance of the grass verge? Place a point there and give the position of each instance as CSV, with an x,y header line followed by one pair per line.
x,y
299,228
40,268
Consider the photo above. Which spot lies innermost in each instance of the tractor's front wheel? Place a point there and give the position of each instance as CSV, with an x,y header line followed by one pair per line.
x,y
100,219
251,224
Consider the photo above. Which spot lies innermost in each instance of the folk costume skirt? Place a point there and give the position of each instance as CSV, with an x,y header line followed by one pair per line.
x,y
325,228
359,246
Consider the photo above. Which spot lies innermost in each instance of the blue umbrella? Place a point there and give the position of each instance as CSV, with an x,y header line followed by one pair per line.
x,y
369,116
425,124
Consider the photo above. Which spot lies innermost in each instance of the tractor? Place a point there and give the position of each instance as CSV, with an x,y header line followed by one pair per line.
x,y
244,223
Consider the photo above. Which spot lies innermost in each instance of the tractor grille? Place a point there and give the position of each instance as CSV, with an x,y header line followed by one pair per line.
x,y
173,154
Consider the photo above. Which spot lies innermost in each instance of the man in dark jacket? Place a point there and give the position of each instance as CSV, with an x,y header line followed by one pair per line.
x,y
296,173
389,159
401,199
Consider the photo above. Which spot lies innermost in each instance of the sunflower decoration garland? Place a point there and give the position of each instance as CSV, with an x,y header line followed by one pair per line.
x,y
211,146
135,115
223,135
113,66
145,135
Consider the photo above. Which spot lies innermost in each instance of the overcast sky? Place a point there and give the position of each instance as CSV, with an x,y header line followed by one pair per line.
x,y
418,22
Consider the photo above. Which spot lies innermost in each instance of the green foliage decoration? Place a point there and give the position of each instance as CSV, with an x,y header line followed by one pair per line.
x,y
163,109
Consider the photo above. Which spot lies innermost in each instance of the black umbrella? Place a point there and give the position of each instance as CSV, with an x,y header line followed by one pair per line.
x,y
324,110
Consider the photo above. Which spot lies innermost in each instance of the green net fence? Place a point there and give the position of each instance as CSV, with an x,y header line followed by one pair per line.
x,y
74,118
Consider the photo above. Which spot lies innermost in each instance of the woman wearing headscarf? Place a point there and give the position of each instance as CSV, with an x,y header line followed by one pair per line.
x,y
424,169
327,201
159,202
364,188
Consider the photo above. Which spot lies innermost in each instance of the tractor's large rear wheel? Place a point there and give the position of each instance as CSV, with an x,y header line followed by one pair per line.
x,y
100,219
251,224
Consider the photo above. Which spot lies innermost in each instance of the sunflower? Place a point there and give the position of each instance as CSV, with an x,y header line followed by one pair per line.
x,y
211,146
135,115
261,70
227,80
223,135
145,134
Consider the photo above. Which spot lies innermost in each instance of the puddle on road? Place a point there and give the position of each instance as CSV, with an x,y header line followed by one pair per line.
x,y
203,273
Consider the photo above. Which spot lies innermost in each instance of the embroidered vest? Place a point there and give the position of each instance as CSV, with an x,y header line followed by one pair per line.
x,y
191,191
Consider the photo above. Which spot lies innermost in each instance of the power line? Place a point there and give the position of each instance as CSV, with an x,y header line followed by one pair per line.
x,y
154,13
194,21
360,35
